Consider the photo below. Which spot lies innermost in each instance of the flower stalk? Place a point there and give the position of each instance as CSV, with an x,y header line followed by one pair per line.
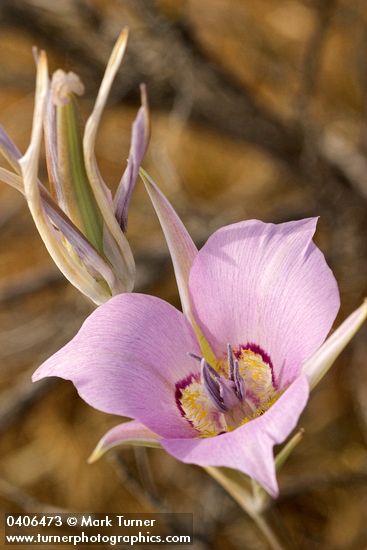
x,y
248,503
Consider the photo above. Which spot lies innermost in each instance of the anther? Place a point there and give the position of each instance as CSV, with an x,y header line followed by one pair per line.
x,y
211,385
238,381
230,361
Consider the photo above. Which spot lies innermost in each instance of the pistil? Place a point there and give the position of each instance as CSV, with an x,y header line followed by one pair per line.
x,y
223,398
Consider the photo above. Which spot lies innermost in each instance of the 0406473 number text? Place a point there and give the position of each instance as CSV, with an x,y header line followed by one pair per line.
x,y
32,521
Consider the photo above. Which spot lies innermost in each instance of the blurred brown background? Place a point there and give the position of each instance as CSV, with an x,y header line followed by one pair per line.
x,y
259,110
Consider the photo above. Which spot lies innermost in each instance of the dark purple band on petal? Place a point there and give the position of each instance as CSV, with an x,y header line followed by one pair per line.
x,y
180,386
264,356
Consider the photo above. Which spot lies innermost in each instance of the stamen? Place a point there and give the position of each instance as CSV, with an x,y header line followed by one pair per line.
x,y
237,391
212,371
210,382
228,394
238,380
230,361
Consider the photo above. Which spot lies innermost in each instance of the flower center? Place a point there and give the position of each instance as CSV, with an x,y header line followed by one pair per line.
x,y
240,389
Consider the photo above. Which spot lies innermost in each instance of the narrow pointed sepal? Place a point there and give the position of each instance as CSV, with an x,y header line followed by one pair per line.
x,y
115,243
183,252
9,150
317,366
139,143
128,433
29,162
287,450
179,242
11,179
11,154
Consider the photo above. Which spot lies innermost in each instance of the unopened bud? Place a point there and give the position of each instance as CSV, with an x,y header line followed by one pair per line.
x,y
63,85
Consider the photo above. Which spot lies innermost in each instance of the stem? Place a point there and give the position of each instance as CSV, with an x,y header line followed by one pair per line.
x,y
245,499
261,498
268,533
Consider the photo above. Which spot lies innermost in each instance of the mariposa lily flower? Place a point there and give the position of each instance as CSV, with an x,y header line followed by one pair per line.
x,y
223,382
81,225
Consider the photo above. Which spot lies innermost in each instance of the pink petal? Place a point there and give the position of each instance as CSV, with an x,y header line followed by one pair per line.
x,y
250,447
265,284
128,433
126,360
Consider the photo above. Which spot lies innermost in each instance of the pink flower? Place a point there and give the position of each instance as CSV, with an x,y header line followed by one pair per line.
x,y
223,382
